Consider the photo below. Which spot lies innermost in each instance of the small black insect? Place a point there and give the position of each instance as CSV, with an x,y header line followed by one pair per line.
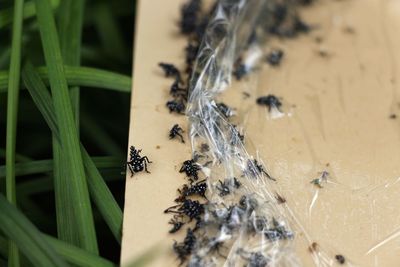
x,y
175,131
184,249
254,169
280,199
176,224
254,259
177,91
198,188
136,162
275,57
177,106
225,110
191,169
300,26
191,208
248,203
278,232
225,187
240,71
236,135
170,71
189,16
340,259
204,148
270,101
215,245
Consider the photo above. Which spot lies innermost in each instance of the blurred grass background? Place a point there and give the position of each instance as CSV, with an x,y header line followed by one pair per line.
x,y
54,113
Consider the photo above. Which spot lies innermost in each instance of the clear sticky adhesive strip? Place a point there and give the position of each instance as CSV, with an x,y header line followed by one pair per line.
x,y
244,222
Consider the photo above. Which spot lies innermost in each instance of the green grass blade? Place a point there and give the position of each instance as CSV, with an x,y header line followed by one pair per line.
x,y
41,97
12,110
46,165
98,189
18,157
3,247
77,256
70,30
6,15
82,76
103,197
28,238
67,128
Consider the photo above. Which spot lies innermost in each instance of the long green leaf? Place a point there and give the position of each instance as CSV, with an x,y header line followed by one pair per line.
x,y
67,128
103,197
82,76
76,255
46,165
100,193
12,111
6,15
27,237
70,30
41,97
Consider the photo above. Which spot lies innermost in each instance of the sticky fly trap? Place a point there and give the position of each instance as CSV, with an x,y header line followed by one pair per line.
x,y
290,148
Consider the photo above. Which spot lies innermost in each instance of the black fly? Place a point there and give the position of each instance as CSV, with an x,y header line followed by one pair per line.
x,y
184,249
254,169
177,106
170,71
225,187
136,162
274,58
177,91
176,225
225,110
175,131
270,101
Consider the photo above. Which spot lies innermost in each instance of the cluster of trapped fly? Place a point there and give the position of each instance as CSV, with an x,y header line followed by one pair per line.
x,y
227,217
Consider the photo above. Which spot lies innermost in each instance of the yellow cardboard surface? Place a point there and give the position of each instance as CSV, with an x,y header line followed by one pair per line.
x,y
339,103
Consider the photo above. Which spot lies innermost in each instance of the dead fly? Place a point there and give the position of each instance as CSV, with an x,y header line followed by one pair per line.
x,y
170,71
175,131
340,259
215,246
313,247
236,136
177,106
254,259
136,162
204,148
191,168
280,199
248,203
240,71
275,57
271,101
176,224
191,208
227,185
177,91
184,249
254,169
256,224
225,110
278,232
198,189
323,178
189,16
